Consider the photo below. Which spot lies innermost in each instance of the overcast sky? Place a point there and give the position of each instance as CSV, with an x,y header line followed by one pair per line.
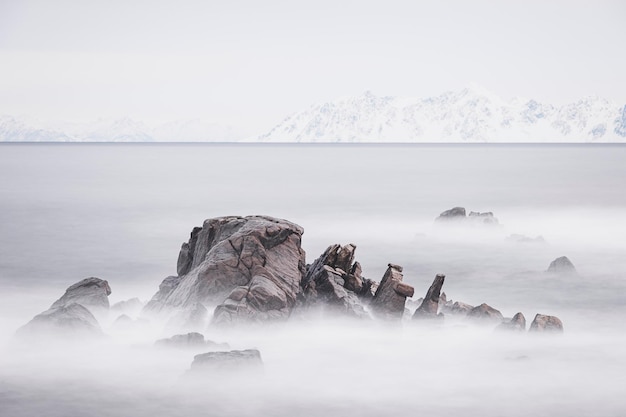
x,y
252,63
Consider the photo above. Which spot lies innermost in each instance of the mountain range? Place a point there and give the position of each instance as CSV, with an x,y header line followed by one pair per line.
x,y
469,115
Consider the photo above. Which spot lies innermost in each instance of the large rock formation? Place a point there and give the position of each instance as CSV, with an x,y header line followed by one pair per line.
x,y
334,283
430,306
250,267
92,293
562,265
66,321
544,323
391,295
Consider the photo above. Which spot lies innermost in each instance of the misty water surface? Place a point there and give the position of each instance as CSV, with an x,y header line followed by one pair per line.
x,y
120,212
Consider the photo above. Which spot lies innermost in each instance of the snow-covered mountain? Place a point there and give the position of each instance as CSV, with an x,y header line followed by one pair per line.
x,y
470,115
13,129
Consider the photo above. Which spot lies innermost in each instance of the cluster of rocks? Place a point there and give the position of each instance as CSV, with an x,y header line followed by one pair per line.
x,y
435,305
253,269
458,214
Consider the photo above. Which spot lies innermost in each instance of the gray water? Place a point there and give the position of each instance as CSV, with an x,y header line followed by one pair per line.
x,y
120,212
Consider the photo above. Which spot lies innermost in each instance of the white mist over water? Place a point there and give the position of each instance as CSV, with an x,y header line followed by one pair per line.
x,y
120,212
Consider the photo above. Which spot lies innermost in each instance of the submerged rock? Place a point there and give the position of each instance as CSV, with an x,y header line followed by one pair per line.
x,y
485,313
458,214
132,307
192,339
486,218
391,295
69,320
562,265
517,323
430,306
251,265
544,323
234,360
92,293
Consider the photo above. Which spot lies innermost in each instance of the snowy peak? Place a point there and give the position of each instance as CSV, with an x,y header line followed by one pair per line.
x,y
469,115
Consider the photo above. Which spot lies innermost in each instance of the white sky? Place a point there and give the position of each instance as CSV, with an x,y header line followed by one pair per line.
x,y
254,62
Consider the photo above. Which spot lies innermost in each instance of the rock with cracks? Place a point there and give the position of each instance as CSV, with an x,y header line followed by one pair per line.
x,y
391,295
250,267
334,284
430,306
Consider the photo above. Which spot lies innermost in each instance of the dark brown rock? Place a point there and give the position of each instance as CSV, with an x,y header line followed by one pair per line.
x,y
390,297
544,323
430,306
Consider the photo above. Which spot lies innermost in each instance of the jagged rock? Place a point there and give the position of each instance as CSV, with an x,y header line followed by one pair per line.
x,y
251,265
132,306
92,293
234,360
158,301
327,285
413,305
544,323
326,290
390,297
65,321
485,313
455,213
517,323
562,265
429,307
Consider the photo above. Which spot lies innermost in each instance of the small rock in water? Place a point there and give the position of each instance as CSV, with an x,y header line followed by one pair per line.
x,y
562,265
456,213
192,339
485,313
234,360
544,323
517,323
66,321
